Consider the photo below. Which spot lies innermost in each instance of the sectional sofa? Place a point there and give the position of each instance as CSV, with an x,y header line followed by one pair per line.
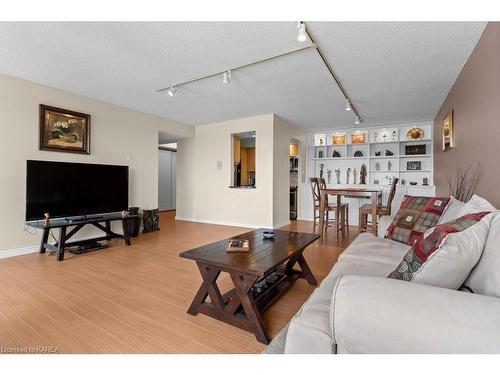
x,y
357,309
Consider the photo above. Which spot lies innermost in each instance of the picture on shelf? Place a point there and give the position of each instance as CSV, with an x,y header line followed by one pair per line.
x,y
416,149
338,139
358,138
414,165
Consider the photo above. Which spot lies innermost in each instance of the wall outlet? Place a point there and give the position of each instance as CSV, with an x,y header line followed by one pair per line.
x,y
219,165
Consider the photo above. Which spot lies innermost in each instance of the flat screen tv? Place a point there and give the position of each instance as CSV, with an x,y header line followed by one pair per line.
x,y
74,189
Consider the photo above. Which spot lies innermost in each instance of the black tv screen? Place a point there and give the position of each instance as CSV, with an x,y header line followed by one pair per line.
x,y
74,189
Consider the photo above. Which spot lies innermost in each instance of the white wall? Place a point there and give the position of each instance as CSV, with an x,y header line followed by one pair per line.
x,y
203,192
116,132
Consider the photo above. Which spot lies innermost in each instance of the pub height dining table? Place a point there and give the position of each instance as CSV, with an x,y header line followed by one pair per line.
x,y
348,192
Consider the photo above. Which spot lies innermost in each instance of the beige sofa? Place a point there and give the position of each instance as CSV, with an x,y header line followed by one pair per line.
x,y
357,309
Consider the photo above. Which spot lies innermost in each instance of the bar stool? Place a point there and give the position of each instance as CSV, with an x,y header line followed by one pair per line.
x,y
366,209
341,215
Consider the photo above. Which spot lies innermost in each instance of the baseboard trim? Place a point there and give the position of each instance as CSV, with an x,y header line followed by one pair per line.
x,y
279,225
19,251
304,218
35,248
221,222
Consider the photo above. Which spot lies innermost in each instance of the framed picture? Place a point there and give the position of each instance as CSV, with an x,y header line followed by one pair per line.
x,y
448,131
338,139
64,131
413,165
358,137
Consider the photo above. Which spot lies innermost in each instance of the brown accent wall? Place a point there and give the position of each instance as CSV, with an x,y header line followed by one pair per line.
x,y
475,100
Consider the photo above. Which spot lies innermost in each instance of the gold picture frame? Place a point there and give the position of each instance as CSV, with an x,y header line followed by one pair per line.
x,y
448,131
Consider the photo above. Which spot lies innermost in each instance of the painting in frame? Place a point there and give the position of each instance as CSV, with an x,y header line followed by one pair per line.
x,y
64,130
448,131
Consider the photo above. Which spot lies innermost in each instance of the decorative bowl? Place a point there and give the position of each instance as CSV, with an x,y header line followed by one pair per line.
x,y
268,234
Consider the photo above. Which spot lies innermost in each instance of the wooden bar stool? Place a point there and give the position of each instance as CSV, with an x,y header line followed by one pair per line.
x,y
366,209
341,216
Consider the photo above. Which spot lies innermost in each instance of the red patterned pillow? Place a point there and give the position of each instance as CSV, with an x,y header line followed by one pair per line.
x,y
415,217
446,254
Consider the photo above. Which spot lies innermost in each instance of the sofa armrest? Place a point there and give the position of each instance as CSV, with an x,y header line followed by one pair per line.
x,y
383,223
380,315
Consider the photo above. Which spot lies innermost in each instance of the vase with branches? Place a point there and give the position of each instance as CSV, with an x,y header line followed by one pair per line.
x,y
464,180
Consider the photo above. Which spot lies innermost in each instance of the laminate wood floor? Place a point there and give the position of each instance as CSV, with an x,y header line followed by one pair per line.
x,y
134,299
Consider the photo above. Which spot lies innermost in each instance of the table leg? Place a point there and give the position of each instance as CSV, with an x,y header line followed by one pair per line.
x,y
306,271
374,212
243,286
61,244
45,238
338,217
208,287
322,206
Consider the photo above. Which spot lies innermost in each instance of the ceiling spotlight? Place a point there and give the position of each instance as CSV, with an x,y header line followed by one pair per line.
x,y
358,120
172,90
348,105
226,77
302,35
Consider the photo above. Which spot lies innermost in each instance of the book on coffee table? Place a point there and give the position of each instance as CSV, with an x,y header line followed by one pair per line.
x,y
237,246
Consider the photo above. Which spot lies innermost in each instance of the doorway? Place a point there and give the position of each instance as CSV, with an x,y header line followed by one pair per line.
x,y
167,177
294,178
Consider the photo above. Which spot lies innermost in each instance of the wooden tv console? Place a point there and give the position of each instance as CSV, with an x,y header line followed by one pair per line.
x,y
65,235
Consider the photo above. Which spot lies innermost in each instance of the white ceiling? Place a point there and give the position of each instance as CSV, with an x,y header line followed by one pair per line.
x,y
393,71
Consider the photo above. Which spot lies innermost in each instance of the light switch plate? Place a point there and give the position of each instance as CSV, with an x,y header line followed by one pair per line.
x,y
219,165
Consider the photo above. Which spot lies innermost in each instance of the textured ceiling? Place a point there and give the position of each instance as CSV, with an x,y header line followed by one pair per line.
x,y
393,71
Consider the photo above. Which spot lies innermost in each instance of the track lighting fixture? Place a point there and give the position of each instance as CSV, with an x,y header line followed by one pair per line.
x,y
172,90
302,35
226,77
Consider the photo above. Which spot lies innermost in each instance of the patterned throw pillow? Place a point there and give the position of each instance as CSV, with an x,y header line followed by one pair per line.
x,y
445,255
415,217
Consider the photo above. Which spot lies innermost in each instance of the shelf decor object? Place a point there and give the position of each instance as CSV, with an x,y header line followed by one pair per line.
x,y
358,137
448,131
319,140
413,165
358,154
415,134
416,149
336,154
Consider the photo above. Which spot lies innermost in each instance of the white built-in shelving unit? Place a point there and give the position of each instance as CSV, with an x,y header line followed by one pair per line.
x,y
384,153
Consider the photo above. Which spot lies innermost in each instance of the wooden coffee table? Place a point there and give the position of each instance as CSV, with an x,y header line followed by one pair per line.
x,y
260,276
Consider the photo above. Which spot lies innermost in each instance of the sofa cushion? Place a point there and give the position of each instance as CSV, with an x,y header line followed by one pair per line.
x,y
415,217
445,255
452,211
375,249
485,277
476,204
309,330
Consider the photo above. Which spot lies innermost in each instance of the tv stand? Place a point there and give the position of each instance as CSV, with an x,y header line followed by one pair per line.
x,y
65,235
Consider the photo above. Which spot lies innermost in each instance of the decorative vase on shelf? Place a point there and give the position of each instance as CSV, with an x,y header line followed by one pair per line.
x,y
337,174
377,166
348,175
329,176
321,166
